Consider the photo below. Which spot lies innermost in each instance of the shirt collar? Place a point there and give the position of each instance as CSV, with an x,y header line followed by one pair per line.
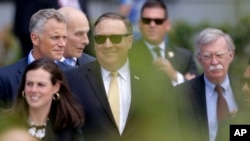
x,y
63,58
151,46
225,84
123,71
30,57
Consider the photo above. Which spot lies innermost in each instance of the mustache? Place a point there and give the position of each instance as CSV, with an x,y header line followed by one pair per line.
x,y
215,67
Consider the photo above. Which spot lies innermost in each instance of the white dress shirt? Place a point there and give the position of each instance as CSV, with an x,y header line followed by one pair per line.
x,y
180,77
31,58
124,91
211,101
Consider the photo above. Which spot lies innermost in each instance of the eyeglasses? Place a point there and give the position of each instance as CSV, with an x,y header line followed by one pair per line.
x,y
148,21
245,81
209,56
115,39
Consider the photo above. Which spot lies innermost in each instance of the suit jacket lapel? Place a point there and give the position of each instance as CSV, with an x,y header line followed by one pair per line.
x,y
237,92
21,69
135,90
200,107
95,80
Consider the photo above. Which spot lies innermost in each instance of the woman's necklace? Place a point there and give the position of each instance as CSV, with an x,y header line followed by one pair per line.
x,y
37,131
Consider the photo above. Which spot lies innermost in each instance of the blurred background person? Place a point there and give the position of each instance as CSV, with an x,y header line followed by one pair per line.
x,y
26,8
77,37
131,9
246,83
45,105
152,50
9,47
48,33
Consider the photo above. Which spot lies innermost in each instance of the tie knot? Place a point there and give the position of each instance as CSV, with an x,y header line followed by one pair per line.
x,y
157,50
219,89
70,61
114,74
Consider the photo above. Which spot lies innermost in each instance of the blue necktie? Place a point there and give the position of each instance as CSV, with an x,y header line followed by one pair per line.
x,y
70,61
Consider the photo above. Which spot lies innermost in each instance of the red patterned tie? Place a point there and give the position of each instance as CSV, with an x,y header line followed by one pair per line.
x,y
222,107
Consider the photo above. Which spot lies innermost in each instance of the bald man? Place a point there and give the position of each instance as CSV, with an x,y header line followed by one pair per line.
x,y
77,37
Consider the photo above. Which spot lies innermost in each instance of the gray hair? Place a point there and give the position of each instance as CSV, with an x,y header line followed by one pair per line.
x,y
38,19
210,35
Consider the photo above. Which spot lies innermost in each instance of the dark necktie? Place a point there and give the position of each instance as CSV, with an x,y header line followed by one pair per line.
x,y
157,50
222,107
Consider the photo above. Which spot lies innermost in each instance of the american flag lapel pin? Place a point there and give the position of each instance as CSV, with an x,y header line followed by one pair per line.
x,y
136,77
170,54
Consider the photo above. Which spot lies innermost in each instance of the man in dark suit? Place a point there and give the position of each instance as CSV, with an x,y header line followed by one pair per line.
x,y
48,34
152,50
140,113
26,8
77,37
199,101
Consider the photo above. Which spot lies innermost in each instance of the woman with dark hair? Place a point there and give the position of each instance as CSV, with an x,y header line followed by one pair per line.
x,y
45,104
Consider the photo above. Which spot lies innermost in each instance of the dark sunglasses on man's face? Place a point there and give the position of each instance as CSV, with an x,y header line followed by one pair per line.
x,y
115,39
148,21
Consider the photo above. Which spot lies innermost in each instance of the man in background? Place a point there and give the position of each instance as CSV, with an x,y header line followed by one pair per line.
x,y
152,50
77,37
26,8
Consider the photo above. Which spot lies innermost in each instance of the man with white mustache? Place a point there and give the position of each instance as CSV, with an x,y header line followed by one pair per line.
x,y
217,67
197,99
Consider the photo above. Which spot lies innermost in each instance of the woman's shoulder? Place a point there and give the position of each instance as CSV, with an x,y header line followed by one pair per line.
x,y
72,134
67,134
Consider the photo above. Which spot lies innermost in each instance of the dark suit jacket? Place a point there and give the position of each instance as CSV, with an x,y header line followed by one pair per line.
x,y
10,78
84,59
182,60
146,119
191,101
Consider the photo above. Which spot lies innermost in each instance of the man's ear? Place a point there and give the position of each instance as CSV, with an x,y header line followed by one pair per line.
x,y
130,40
168,25
34,39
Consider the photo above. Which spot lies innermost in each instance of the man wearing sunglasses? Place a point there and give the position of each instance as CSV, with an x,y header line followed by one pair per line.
x,y
152,49
137,111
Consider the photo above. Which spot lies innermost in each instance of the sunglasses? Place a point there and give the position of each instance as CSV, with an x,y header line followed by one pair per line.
x,y
148,21
245,80
115,39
